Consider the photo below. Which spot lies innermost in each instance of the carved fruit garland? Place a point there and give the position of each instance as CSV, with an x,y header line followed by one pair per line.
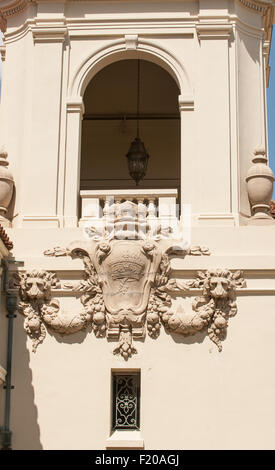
x,y
92,299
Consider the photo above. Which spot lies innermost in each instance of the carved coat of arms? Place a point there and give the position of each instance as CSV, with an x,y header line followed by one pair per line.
x,y
127,289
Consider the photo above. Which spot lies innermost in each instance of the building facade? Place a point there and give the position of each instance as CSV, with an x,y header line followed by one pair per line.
x,y
126,293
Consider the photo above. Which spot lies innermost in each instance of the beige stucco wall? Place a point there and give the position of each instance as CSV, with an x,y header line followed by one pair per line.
x,y
192,396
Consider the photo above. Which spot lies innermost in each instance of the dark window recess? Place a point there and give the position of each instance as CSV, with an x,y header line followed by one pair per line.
x,y
126,401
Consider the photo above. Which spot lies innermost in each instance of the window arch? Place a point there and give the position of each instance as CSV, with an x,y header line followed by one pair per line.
x,y
109,126
85,71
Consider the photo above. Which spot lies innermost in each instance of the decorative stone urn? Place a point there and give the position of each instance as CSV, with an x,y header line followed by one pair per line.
x,y
6,187
260,180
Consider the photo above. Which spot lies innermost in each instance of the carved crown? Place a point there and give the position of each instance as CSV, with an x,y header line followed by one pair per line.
x,y
128,266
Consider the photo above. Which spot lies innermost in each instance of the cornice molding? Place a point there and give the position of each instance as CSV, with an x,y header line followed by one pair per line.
x,y
258,5
11,7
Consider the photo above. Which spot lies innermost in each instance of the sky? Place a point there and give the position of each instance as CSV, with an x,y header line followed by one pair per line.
x,y
270,105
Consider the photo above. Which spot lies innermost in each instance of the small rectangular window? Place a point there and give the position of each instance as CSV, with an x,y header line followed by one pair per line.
x,y
126,400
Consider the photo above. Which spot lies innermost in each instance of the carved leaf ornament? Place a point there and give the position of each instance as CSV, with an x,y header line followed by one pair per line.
x,y
127,289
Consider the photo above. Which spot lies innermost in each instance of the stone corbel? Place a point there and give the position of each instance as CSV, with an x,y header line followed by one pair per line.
x,y
214,31
3,53
47,34
266,47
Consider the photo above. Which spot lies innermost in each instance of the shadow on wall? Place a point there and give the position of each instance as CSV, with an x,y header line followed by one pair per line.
x,y
250,46
74,338
23,416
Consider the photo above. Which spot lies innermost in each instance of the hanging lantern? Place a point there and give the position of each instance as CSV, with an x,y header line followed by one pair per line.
x,y
137,160
137,155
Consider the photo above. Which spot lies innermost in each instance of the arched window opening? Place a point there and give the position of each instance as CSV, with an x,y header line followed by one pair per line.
x,y
110,125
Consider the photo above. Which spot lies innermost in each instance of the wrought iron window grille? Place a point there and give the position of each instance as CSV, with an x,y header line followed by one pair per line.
x,y
126,401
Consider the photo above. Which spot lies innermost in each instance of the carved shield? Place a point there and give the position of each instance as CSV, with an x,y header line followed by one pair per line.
x,y
126,274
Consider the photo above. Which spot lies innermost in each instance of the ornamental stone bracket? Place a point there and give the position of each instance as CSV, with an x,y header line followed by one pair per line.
x,y
127,289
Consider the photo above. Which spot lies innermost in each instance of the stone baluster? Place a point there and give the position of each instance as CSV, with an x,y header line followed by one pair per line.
x,y
112,209
142,209
151,216
116,206
106,208
108,214
151,209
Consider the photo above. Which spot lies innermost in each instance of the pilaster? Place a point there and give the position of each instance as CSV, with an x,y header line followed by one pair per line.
x,y
214,166
40,194
188,152
75,110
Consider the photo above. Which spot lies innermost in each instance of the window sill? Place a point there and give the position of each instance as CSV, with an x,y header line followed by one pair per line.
x,y
121,439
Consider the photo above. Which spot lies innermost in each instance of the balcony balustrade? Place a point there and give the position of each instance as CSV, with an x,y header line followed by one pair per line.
x,y
155,207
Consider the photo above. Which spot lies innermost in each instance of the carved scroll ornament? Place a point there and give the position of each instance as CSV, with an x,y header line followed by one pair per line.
x,y
127,289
